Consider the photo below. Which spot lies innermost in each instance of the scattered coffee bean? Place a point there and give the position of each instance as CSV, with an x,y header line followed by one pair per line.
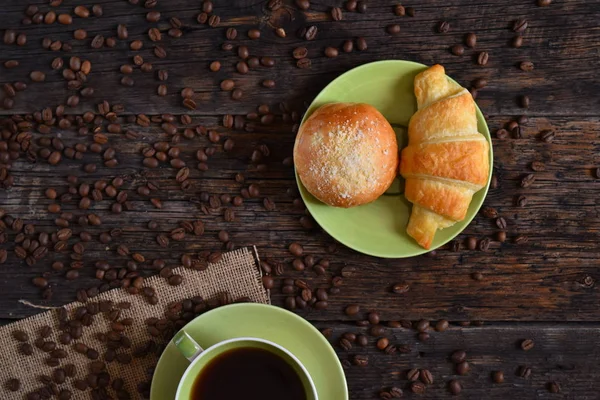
x,y
471,39
462,368
498,377
393,29
352,309
443,27
417,388
527,344
457,50
331,52
517,41
361,44
524,371
454,387
483,58
426,377
553,387
519,25
13,385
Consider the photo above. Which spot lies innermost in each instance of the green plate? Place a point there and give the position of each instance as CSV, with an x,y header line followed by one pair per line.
x,y
260,321
379,228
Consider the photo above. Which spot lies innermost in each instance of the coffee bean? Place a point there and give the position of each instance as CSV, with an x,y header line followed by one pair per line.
x,y
214,20
501,223
382,343
519,25
547,136
65,19
526,66
361,44
462,368
227,85
348,46
489,212
127,81
352,309
426,377
422,325
26,349
553,387
484,244
37,76
393,29
544,3
21,39
527,344
20,336
498,376
336,14
345,344
517,41
300,52
303,4
457,49
527,180
413,375
443,27
10,36
97,42
454,387
303,63
11,64
471,39
502,133
254,34
483,58
311,33
441,325
331,52
458,356
417,388
13,384
154,35
45,331
373,318
524,371
400,288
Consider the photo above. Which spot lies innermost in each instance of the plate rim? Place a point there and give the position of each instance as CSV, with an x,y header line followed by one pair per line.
x,y
270,308
422,251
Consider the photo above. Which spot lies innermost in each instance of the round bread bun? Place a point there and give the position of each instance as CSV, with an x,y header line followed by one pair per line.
x,y
346,154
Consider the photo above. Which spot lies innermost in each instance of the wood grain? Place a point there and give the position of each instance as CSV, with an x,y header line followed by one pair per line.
x,y
552,277
561,354
545,289
561,41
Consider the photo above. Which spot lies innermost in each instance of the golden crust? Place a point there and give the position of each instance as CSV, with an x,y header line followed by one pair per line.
x,y
446,199
423,224
451,117
346,154
462,161
446,160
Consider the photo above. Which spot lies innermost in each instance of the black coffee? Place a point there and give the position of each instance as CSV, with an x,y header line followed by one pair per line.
x,y
249,374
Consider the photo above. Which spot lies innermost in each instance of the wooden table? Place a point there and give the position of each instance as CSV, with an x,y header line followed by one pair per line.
x,y
543,289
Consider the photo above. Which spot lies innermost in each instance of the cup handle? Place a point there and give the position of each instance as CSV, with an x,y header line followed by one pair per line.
x,y
187,346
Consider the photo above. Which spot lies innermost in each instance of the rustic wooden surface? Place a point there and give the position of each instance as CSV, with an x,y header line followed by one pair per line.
x,y
545,289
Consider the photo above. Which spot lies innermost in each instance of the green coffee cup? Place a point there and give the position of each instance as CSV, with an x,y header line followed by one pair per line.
x,y
199,358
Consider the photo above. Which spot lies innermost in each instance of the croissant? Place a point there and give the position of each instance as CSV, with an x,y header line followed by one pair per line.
x,y
446,160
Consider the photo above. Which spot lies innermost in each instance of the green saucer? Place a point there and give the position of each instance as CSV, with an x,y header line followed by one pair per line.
x,y
379,228
260,321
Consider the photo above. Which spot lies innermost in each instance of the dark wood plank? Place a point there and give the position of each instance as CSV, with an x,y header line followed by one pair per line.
x,y
552,277
560,40
562,354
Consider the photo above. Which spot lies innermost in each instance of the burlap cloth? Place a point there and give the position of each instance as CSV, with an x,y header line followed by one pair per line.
x,y
237,273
